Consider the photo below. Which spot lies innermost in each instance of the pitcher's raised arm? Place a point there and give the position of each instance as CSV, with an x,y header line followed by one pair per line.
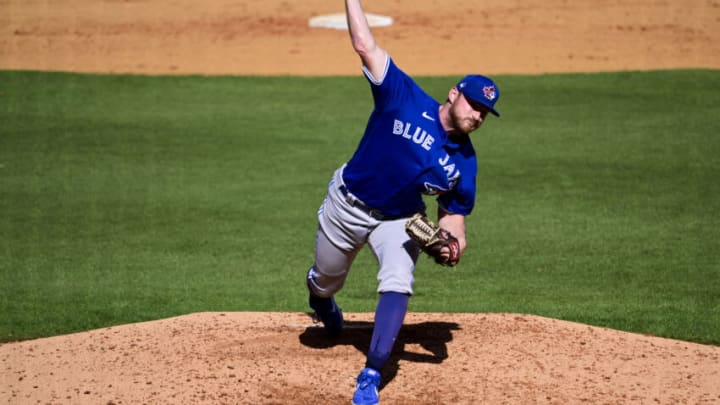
x,y
373,57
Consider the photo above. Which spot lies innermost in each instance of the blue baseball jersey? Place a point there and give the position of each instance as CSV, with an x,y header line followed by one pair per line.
x,y
405,152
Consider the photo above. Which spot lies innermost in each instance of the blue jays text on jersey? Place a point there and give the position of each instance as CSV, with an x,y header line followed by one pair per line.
x,y
422,138
405,152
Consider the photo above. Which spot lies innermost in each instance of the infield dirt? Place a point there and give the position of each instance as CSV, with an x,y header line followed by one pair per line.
x,y
428,37
282,358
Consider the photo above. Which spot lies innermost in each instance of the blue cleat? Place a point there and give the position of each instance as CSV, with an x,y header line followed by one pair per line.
x,y
366,390
328,313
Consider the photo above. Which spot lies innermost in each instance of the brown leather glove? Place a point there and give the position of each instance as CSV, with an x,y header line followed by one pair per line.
x,y
432,239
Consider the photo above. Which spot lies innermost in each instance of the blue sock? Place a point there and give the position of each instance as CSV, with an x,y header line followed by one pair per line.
x,y
389,317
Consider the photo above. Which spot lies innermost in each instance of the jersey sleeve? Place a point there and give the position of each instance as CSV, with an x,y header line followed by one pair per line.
x,y
392,89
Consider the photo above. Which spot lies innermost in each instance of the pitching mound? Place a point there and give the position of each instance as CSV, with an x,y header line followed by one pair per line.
x,y
283,358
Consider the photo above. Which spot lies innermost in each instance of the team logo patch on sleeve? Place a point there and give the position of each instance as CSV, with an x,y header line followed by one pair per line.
x,y
433,189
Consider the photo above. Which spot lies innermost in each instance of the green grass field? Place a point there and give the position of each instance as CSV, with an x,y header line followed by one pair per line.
x,y
131,198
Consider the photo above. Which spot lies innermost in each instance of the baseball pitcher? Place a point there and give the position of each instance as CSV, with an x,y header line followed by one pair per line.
x,y
412,146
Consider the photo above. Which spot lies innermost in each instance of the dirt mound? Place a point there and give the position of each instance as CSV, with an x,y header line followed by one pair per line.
x,y
283,358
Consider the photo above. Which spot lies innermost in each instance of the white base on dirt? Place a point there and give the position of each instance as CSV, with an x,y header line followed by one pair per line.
x,y
339,22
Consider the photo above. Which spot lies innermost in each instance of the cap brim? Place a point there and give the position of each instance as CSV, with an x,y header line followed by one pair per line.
x,y
492,110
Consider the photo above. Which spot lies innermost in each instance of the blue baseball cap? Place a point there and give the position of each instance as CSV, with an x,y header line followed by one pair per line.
x,y
480,89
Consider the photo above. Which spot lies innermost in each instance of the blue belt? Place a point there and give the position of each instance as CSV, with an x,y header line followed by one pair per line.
x,y
374,213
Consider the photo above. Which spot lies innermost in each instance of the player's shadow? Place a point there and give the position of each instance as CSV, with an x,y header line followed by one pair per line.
x,y
431,337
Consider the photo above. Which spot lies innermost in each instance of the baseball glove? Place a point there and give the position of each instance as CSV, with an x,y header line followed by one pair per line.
x,y
432,239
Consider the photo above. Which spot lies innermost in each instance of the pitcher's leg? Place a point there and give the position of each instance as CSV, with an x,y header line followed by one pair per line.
x,y
327,275
389,316
325,278
396,256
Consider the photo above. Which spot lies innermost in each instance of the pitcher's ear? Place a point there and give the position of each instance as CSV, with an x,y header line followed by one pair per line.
x,y
453,94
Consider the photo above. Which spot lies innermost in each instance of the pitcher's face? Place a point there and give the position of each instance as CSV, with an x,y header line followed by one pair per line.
x,y
466,115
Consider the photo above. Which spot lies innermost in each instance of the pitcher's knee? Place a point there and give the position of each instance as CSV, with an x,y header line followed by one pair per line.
x,y
402,285
323,285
